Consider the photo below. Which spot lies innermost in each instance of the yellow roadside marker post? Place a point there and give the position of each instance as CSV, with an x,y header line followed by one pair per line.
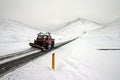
x,y
53,61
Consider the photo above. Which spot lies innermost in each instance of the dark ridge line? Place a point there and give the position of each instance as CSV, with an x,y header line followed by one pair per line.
x,y
108,49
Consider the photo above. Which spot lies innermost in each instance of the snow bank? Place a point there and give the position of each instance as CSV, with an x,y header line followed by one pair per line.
x,y
81,62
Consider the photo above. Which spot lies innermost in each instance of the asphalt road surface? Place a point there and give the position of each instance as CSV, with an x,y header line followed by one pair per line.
x,y
14,64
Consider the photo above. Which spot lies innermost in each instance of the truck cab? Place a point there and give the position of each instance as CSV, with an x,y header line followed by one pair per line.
x,y
45,40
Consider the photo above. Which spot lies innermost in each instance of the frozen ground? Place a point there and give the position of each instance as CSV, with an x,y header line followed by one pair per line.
x,y
78,60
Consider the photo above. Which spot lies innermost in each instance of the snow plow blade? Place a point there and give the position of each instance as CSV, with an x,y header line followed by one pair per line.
x,y
36,46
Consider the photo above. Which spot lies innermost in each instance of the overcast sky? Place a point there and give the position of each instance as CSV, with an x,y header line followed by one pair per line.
x,y
56,12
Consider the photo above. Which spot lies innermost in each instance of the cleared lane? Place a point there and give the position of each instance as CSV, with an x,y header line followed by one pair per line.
x,y
13,64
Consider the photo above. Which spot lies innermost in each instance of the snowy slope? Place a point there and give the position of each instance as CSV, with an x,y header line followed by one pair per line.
x,y
77,27
14,31
107,36
78,60
112,29
81,62
14,35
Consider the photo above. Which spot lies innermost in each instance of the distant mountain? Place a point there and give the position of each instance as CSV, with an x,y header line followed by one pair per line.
x,y
112,29
78,26
12,31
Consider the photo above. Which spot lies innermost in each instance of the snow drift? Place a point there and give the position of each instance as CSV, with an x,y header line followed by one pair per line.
x,y
81,62
14,35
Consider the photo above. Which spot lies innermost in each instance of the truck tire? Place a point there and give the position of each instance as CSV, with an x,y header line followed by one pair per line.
x,y
48,46
52,46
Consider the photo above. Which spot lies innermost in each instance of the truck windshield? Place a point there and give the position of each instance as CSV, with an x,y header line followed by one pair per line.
x,y
42,36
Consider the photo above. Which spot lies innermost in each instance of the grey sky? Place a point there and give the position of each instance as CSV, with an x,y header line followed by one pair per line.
x,y
53,13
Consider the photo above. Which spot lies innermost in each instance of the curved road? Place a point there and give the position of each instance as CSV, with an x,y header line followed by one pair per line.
x,y
11,65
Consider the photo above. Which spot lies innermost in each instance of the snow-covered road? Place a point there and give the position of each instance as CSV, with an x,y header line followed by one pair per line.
x,y
74,61
12,62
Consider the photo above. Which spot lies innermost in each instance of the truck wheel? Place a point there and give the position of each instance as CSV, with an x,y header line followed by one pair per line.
x,y
52,46
49,47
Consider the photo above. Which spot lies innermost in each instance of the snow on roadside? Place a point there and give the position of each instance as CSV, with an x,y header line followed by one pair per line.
x,y
14,36
78,60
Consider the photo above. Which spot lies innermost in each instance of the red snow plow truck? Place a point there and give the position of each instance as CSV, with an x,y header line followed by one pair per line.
x,y
43,41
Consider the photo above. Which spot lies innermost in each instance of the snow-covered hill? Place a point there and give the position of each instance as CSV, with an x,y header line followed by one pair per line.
x,y
107,36
77,27
112,29
80,59
13,31
14,35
